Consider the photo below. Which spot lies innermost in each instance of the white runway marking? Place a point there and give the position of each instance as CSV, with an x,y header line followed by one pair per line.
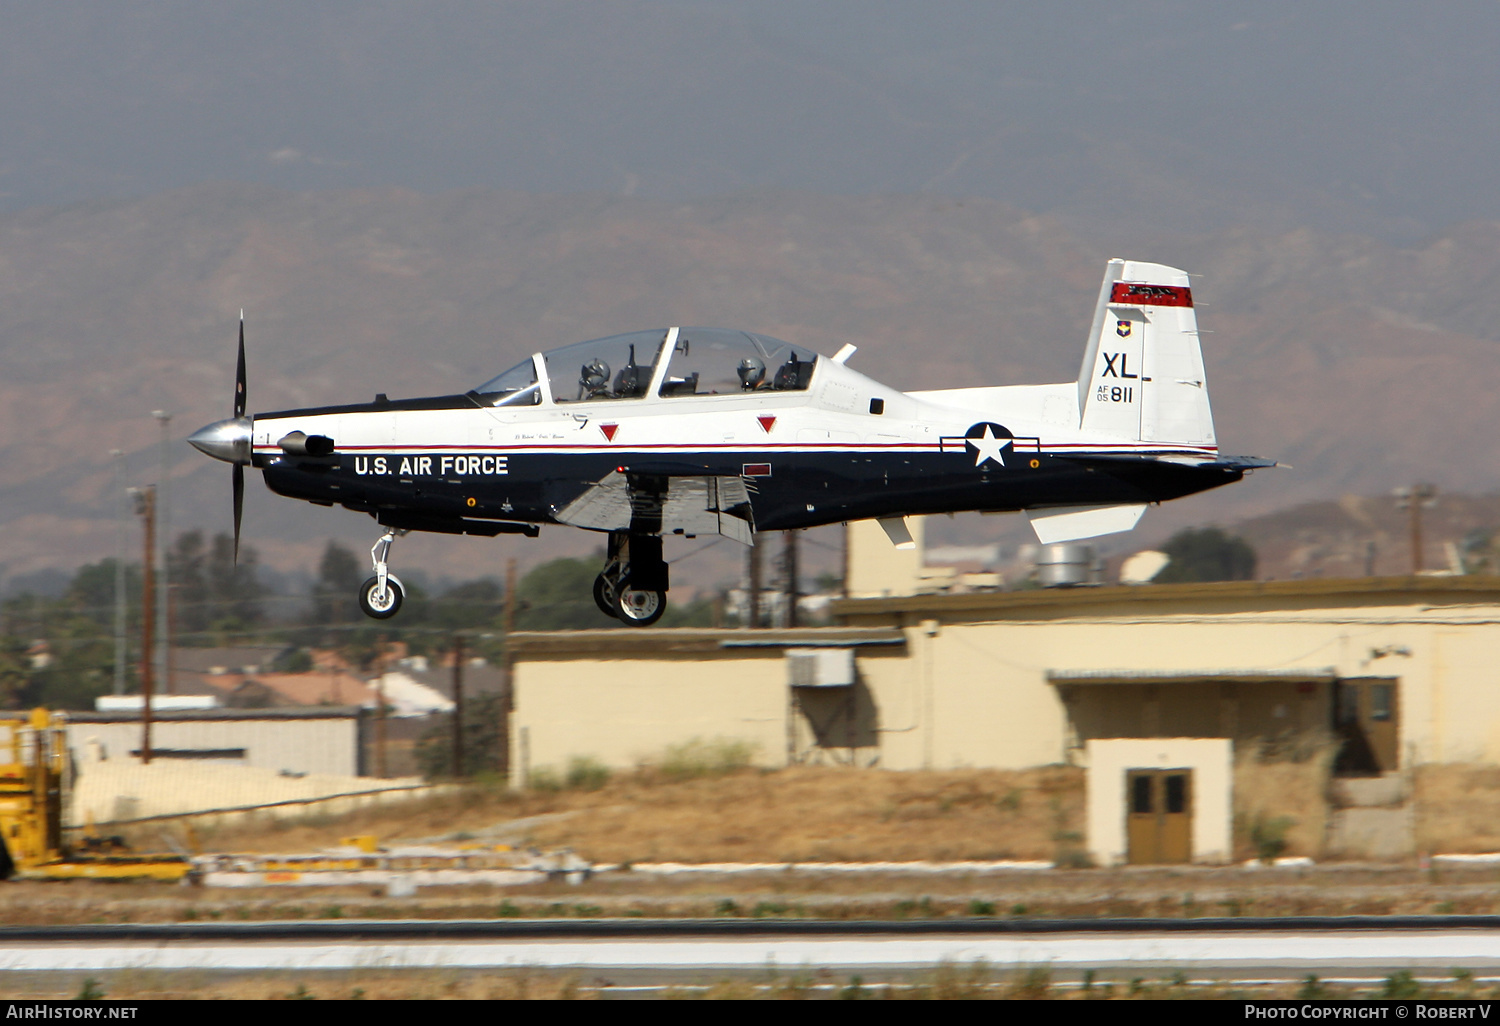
x,y
1470,948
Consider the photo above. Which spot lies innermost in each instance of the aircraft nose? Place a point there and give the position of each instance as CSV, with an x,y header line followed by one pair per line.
x,y
227,440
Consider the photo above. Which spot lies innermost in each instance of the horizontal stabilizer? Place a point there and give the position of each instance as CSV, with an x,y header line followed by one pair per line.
x,y
1075,523
1243,463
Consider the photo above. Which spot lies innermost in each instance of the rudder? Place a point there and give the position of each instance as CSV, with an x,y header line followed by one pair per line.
x,y
1142,375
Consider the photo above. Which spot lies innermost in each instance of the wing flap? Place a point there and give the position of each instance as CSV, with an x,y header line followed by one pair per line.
x,y
604,506
690,505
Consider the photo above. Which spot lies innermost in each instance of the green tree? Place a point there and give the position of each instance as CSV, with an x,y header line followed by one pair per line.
x,y
82,666
92,593
335,594
559,595
483,738
1207,554
470,605
697,613
234,588
186,563
75,661
15,672
74,635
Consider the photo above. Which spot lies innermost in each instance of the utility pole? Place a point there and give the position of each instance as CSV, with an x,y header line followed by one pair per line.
x,y
789,566
1414,500
122,513
169,629
145,505
458,706
509,619
164,528
380,708
753,556
844,561
508,703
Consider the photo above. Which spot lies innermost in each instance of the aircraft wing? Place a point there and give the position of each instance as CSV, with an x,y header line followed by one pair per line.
x,y
650,503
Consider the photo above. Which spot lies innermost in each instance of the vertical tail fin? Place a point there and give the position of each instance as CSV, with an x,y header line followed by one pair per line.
x,y
1142,376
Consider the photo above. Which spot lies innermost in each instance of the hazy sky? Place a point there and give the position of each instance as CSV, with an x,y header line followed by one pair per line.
x,y
1372,116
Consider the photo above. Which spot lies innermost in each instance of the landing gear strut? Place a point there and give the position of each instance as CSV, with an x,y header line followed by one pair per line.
x,y
633,584
380,596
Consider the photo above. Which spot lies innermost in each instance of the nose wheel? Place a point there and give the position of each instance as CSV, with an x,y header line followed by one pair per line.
x,y
380,596
632,587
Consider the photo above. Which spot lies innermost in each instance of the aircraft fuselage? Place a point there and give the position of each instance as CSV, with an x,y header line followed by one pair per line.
x,y
805,465
691,431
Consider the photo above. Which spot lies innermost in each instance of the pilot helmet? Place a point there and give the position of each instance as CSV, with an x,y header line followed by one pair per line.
x,y
595,374
752,372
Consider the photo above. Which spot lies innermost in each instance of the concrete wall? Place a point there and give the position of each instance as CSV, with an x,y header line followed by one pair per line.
x,y
123,790
876,566
625,711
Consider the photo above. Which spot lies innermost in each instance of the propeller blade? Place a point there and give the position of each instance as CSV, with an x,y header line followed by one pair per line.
x,y
239,373
239,507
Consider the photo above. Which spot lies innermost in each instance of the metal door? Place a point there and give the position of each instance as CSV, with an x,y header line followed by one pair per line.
x,y
1366,717
1159,817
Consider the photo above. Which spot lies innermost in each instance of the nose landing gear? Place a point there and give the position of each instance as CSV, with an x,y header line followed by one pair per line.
x,y
380,596
633,585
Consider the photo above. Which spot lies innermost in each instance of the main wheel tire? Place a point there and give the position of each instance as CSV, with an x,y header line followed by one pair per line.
x,y
604,596
640,608
371,602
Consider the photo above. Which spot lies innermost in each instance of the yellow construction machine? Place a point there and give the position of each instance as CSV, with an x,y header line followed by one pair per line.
x,y
35,774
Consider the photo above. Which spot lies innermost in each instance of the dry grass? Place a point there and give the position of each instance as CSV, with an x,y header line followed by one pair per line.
x,y
372,985
823,814
959,981
1457,807
801,814
1281,796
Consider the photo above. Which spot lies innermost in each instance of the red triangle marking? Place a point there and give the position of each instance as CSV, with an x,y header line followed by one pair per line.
x,y
609,431
766,423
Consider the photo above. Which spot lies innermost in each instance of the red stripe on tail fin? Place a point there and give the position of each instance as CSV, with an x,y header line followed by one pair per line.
x,y
1136,294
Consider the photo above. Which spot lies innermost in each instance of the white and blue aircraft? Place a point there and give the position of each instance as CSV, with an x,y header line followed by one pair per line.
x,y
691,431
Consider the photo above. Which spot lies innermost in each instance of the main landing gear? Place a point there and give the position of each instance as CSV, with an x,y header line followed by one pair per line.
x,y
633,584
380,596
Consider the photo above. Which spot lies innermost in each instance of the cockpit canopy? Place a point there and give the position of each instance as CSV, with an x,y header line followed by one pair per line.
x,y
700,361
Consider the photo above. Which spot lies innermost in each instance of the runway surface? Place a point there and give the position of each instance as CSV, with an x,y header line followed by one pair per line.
x,y
643,949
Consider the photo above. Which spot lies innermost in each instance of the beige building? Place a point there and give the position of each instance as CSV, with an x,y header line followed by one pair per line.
x,y
1398,670
1025,678
326,740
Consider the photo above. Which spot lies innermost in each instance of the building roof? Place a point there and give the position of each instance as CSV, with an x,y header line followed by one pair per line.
x,y
314,712
1324,675
405,696
480,677
316,687
224,660
694,640
1163,599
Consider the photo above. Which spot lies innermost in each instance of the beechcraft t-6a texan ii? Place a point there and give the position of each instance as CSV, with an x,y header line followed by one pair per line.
x,y
691,431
